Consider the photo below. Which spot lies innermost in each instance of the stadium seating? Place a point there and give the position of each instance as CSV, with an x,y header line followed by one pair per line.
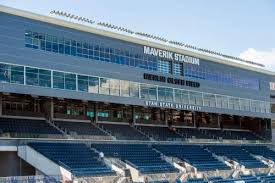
x,y
78,158
26,127
194,155
230,134
161,133
260,150
193,132
81,128
140,156
123,132
236,153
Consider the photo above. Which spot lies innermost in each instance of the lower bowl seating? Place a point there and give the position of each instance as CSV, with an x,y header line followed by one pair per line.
x,y
236,153
194,155
140,156
77,158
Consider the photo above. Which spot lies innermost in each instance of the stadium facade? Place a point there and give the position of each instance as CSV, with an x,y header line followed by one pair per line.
x,y
62,71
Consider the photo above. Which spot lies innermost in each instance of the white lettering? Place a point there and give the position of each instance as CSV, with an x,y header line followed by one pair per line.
x,y
170,55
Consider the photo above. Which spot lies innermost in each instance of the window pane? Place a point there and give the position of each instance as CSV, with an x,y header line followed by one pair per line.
x,y
70,81
165,94
4,73
195,98
148,92
45,78
58,80
104,86
125,88
134,89
209,100
114,87
93,84
32,76
222,101
17,74
83,83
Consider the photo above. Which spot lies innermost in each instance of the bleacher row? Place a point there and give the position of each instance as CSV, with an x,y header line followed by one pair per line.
x,y
83,159
40,128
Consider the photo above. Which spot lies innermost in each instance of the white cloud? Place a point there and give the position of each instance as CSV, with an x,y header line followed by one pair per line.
x,y
264,57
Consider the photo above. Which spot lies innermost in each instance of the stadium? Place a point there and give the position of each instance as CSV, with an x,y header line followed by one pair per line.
x,y
86,103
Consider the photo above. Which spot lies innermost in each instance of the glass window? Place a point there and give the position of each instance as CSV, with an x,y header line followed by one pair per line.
x,y
125,88
164,66
181,96
114,87
58,80
104,86
45,78
32,77
177,69
234,103
209,100
148,92
83,83
195,98
17,74
93,84
4,73
70,81
165,94
244,104
134,89
221,101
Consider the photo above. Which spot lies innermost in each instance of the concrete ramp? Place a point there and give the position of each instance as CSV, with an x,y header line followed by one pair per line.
x,y
43,164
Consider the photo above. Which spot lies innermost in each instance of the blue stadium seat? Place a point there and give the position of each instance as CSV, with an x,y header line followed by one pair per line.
x,y
81,128
194,155
76,157
123,132
26,126
161,133
236,153
140,156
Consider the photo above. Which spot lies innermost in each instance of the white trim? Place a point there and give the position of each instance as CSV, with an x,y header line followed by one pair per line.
x,y
140,41
71,120
23,117
113,123
8,148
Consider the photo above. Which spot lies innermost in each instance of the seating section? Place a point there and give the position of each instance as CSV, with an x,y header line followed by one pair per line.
x,y
267,178
78,158
141,156
123,132
236,153
230,134
161,133
194,155
81,128
26,126
260,150
193,132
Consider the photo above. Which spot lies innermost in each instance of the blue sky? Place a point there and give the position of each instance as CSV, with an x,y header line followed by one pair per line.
x,y
243,28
